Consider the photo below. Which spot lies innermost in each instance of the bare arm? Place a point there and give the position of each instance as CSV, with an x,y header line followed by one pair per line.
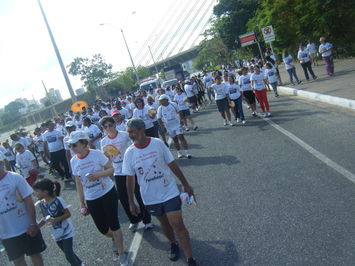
x,y
108,171
130,184
80,191
179,174
32,229
46,152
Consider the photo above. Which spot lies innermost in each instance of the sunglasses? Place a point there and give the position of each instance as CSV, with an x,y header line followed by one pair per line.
x,y
108,125
73,145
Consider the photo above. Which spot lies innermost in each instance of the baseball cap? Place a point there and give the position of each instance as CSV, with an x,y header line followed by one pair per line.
x,y
70,124
163,97
2,157
76,136
115,112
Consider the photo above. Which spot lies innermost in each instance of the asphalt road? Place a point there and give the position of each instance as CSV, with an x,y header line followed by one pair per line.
x,y
262,198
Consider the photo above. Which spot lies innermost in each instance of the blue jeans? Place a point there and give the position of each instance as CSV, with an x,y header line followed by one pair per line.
x,y
291,73
238,108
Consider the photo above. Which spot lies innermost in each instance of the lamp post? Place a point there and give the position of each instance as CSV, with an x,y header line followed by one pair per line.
x,y
70,88
129,52
155,64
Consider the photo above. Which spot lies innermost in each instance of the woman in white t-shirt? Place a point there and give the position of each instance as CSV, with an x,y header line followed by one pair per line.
x,y
221,93
290,67
271,77
258,84
184,110
305,61
26,162
326,49
142,112
235,95
312,51
96,191
245,86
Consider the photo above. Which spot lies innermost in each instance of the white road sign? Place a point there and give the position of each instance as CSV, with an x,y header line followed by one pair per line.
x,y
268,33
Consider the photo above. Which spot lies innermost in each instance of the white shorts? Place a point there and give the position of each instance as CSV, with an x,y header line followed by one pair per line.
x,y
174,131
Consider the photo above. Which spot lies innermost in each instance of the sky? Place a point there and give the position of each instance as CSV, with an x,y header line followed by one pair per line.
x,y
27,56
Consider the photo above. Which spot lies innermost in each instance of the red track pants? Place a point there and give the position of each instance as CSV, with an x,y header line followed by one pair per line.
x,y
262,98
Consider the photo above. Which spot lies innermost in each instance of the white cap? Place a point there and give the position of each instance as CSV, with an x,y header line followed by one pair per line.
x,y
70,124
76,136
164,97
2,157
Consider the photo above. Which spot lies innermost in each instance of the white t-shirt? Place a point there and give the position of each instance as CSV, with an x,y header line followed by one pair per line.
x,y
38,141
93,131
288,60
258,79
189,90
303,56
143,113
23,141
92,163
125,113
63,229
179,99
66,145
78,123
270,74
311,47
325,46
117,147
234,91
244,82
150,164
10,156
24,162
53,139
208,80
220,91
169,115
61,129
155,107
121,126
14,219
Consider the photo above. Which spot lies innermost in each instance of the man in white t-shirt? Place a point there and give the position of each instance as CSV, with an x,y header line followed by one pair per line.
x,y
19,232
93,132
191,95
169,121
54,149
153,164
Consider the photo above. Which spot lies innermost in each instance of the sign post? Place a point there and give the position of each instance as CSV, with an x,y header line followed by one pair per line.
x,y
269,35
248,39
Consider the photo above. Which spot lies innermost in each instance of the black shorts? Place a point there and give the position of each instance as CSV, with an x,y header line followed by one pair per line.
x,y
150,132
184,113
249,96
192,99
104,211
222,105
21,245
170,205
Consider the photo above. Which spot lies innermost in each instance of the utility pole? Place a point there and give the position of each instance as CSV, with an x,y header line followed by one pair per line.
x,y
70,88
151,54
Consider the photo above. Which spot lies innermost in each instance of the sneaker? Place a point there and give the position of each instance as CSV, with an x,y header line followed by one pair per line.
x,y
263,114
133,227
186,128
191,262
299,82
243,122
276,95
315,77
148,226
225,123
174,252
2,248
293,83
230,123
268,114
124,259
188,155
238,120
195,127
180,155
254,114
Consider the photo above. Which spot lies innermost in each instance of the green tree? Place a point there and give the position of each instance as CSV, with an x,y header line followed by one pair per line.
x,y
211,53
93,72
143,72
13,107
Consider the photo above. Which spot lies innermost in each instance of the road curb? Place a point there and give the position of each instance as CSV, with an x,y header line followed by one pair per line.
x,y
342,102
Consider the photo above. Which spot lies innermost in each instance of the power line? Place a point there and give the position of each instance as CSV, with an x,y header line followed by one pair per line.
x,y
176,32
175,21
196,26
187,28
202,30
164,19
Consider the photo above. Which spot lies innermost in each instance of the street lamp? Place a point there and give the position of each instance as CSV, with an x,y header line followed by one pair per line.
x,y
70,88
129,53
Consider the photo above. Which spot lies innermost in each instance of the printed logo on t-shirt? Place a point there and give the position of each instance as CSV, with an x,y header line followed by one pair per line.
x,y
51,139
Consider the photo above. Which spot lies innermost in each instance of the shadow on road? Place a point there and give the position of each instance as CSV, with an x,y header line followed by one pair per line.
x,y
212,160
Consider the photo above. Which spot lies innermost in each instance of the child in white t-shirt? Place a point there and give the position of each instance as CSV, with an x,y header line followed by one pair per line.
x,y
57,216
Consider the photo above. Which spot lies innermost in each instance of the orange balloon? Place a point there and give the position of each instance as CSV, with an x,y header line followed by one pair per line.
x,y
78,106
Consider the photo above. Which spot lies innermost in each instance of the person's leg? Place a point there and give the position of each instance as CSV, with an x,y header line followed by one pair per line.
x,y
239,105
309,67
228,113
166,228
67,247
304,67
295,74
176,143
331,62
63,160
223,115
177,224
289,71
55,159
258,95
264,99
327,64
144,212
274,87
123,197
37,260
183,141
20,261
189,117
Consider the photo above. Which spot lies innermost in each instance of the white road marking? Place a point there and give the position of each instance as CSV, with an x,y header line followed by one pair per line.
x,y
341,170
136,242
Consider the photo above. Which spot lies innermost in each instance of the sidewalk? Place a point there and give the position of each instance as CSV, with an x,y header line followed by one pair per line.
x,y
341,84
